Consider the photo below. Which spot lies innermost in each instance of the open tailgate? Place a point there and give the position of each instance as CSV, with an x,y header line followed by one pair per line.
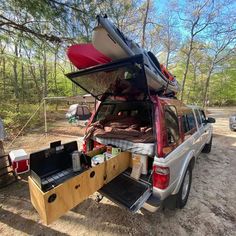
x,y
118,78
127,192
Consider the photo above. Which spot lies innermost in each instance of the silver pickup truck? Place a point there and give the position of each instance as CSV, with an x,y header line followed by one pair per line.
x,y
196,132
167,135
180,133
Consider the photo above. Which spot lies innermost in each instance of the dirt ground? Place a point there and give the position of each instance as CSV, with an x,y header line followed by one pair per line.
x,y
211,208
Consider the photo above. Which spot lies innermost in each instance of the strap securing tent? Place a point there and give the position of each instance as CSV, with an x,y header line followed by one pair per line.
x,y
42,102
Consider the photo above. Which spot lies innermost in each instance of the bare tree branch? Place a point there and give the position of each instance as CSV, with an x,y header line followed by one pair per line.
x,y
21,27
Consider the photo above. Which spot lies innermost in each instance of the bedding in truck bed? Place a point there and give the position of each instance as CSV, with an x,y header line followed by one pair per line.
x,y
140,148
126,132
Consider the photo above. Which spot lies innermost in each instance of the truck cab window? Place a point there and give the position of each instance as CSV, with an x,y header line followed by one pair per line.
x,y
172,125
185,124
199,120
202,115
191,121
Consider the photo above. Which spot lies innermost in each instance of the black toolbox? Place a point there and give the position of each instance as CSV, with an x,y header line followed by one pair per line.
x,y
52,166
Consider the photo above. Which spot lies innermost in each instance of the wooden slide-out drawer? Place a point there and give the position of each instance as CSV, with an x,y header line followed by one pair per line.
x,y
54,203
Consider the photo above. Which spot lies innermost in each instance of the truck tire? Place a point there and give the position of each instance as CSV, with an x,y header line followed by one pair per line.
x,y
182,195
207,147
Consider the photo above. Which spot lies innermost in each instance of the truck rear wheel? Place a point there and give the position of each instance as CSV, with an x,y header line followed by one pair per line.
x,y
182,196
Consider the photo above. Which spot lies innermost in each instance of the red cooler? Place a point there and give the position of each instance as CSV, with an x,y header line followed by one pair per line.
x,y
20,161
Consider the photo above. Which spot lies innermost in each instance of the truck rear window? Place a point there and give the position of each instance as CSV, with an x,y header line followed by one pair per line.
x,y
104,110
141,110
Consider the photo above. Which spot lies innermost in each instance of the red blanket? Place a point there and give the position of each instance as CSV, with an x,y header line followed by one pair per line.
x,y
120,127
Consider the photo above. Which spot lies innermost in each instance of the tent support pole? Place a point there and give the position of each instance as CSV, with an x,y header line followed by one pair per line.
x,y
45,117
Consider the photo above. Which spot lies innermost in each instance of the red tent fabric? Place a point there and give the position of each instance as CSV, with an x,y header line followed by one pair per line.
x,y
85,55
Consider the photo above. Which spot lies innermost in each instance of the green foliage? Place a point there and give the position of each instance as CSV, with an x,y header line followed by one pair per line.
x,y
36,35
15,117
38,9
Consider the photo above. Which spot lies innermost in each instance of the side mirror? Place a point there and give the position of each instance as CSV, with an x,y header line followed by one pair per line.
x,y
210,120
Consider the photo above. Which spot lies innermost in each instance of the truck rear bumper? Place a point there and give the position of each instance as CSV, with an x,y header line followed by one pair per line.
x,y
152,204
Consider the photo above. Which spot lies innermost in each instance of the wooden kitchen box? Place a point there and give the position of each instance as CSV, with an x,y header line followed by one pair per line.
x,y
58,200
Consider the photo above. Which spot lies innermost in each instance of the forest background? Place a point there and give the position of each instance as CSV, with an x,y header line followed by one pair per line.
x,y
195,40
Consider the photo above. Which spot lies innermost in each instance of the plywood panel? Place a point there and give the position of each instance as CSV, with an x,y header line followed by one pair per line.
x,y
117,165
37,199
62,203
87,183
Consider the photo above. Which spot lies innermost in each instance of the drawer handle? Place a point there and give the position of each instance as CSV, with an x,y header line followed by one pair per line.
x,y
92,174
52,198
77,186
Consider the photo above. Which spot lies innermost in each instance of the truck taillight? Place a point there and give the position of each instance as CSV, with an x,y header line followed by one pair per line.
x,y
84,147
161,177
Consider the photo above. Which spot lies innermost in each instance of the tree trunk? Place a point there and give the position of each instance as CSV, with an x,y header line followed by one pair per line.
x,y
167,58
3,71
207,85
55,70
186,68
33,74
4,76
22,95
145,23
22,82
194,83
15,78
187,100
45,82
55,74
168,46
